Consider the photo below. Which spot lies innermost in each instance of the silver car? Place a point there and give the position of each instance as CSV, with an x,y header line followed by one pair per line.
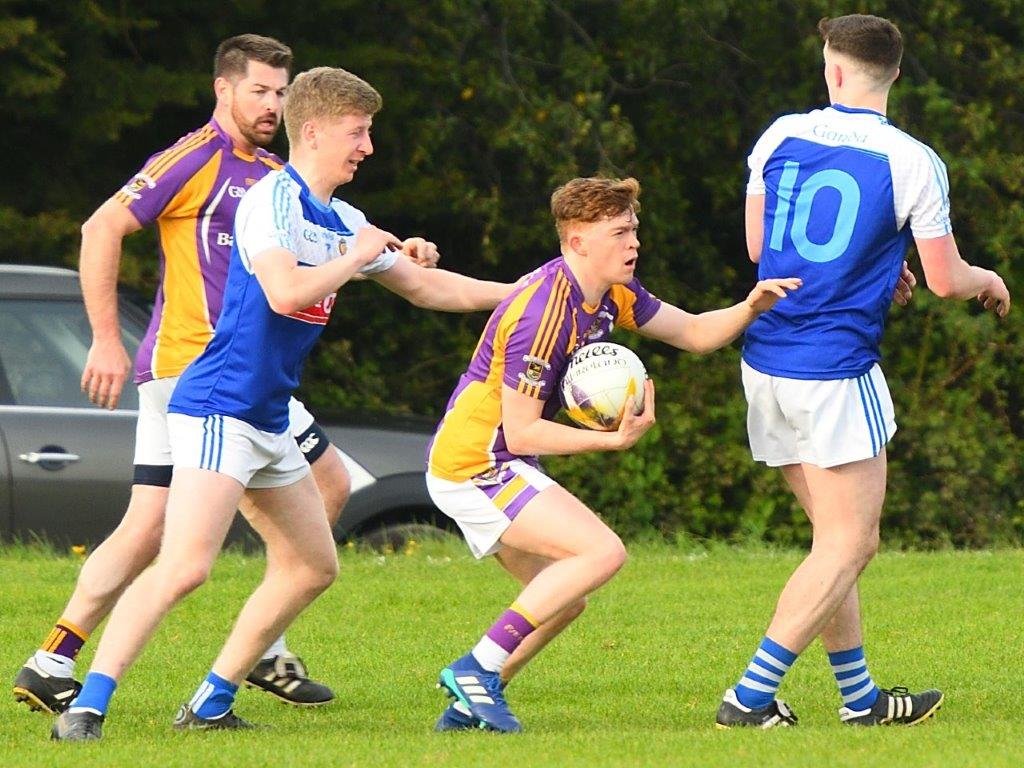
x,y
66,465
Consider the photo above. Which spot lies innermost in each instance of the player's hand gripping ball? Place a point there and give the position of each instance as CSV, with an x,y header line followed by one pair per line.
x,y
600,381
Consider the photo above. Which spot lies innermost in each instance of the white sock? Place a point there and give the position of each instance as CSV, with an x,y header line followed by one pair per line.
x,y
277,649
490,655
54,664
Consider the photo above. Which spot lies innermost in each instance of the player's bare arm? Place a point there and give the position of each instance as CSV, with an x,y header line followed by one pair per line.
x,y
440,289
712,330
108,364
948,276
290,287
528,434
754,218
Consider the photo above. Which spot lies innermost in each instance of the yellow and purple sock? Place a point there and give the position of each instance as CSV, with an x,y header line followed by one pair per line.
x,y
56,656
504,636
65,639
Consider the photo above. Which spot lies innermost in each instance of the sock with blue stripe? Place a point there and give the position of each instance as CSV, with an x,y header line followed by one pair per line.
x,y
855,684
757,687
213,698
95,694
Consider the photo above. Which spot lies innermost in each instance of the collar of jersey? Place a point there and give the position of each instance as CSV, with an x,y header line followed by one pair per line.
x,y
575,284
305,190
231,144
858,111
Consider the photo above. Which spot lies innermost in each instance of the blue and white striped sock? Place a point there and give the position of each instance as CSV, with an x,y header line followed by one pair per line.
x,y
757,687
855,684
213,698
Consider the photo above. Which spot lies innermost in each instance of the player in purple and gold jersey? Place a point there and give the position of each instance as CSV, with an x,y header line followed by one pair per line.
x,y
189,192
482,466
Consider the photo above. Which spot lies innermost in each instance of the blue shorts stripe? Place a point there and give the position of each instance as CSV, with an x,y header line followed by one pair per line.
x,y
867,416
206,442
220,440
878,409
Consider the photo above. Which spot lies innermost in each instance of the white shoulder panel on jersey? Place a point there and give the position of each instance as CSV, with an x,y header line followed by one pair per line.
x,y
266,216
920,184
355,220
921,187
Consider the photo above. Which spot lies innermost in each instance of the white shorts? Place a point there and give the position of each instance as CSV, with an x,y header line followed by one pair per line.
x,y
824,423
223,444
152,443
485,506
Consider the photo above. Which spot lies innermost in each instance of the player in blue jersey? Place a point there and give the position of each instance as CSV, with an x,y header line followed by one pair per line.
x,y
189,192
228,417
835,197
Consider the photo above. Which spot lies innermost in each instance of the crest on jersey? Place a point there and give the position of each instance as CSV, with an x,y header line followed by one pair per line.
x,y
535,367
342,247
597,328
137,184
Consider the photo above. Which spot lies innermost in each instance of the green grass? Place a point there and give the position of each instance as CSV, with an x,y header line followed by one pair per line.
x,y
634,682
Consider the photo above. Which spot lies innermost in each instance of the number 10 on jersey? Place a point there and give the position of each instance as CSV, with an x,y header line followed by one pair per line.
x,y
797,205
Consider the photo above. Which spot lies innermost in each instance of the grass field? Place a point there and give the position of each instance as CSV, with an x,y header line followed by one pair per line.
x,y
634,682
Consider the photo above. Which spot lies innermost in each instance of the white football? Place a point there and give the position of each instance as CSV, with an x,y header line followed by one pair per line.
x,y
599,381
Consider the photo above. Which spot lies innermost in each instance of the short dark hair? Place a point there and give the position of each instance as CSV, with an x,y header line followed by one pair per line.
x,y
234,54
593,199
872,41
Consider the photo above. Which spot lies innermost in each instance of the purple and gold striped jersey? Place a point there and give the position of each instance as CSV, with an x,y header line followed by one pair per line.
x,y
190,191
527,345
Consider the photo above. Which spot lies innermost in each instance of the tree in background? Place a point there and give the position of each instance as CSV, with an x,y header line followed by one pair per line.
x,y
487,107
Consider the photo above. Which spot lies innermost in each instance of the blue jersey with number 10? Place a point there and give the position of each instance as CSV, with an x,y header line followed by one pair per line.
x,y
845,191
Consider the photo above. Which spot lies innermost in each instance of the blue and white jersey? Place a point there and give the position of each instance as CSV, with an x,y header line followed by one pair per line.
x,y
254,361
845,192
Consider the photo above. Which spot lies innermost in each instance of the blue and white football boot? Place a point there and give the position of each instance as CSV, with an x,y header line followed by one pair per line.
x,y
456,717
480,693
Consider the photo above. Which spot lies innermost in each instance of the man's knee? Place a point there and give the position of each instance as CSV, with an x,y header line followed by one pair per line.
x,y
333,482
180,581
610,554
852,550
318,574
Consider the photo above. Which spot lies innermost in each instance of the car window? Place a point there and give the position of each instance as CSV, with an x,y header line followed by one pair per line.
x,y
43,346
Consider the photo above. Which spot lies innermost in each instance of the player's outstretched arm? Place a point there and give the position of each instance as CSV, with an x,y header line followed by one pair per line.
x,y
948,276
440,289
108,364
709,331
290,288
754,220
528,434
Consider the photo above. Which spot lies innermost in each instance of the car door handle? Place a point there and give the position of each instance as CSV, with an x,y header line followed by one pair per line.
x,y
38,457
